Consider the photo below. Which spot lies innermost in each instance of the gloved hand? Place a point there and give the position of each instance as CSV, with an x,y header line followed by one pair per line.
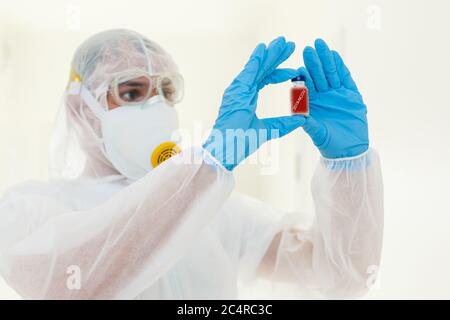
x,y
238,132
337,123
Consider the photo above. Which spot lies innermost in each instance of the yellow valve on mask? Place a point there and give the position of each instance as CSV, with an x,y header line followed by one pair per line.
x,y
163,152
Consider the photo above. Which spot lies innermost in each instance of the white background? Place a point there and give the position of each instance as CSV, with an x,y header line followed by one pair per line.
x,y
397,50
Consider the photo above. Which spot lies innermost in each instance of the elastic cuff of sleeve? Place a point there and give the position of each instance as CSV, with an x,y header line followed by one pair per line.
x,y
354,163
211,160
348,158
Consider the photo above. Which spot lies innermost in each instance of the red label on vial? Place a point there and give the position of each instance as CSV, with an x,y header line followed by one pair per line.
x,y
299,101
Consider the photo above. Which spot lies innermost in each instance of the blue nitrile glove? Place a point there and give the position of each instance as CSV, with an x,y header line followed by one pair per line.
x,y
337,123
238,132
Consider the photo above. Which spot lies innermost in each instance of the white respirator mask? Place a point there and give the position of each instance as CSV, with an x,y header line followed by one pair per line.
x,y
137,137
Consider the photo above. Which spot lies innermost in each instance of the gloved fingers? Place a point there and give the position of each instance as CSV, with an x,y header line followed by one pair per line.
x,y
276,53
316,130
315,69
280,126
344,73
287,52
248,75
328,64
280,75
309,82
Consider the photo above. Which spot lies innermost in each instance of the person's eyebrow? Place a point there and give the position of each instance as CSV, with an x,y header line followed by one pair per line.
x,y
133,83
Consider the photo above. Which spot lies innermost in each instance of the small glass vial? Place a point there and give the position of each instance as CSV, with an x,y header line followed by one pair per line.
x,y
299,96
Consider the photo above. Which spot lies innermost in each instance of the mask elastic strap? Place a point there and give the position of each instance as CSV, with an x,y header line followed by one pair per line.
x,y
96,108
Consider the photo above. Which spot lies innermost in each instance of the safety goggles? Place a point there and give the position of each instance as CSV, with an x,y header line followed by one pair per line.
x,y
136,87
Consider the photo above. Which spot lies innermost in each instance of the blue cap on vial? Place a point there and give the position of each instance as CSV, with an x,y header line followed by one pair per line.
x,y
299,78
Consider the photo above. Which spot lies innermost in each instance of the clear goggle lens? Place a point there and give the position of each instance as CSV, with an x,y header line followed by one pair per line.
x,y
136,88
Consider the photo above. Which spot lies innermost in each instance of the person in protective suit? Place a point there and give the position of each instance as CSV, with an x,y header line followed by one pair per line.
x,y
127,214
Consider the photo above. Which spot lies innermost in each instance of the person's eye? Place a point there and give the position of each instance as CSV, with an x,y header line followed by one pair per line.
x,y
131,95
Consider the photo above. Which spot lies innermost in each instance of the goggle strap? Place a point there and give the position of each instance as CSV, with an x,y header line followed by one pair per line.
x,y
92,103
101,89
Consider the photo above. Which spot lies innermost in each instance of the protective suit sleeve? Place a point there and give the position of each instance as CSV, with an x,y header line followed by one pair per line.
x,y
339,254
119,248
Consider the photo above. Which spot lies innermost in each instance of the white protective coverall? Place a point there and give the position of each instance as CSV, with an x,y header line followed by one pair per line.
x,y
180,231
